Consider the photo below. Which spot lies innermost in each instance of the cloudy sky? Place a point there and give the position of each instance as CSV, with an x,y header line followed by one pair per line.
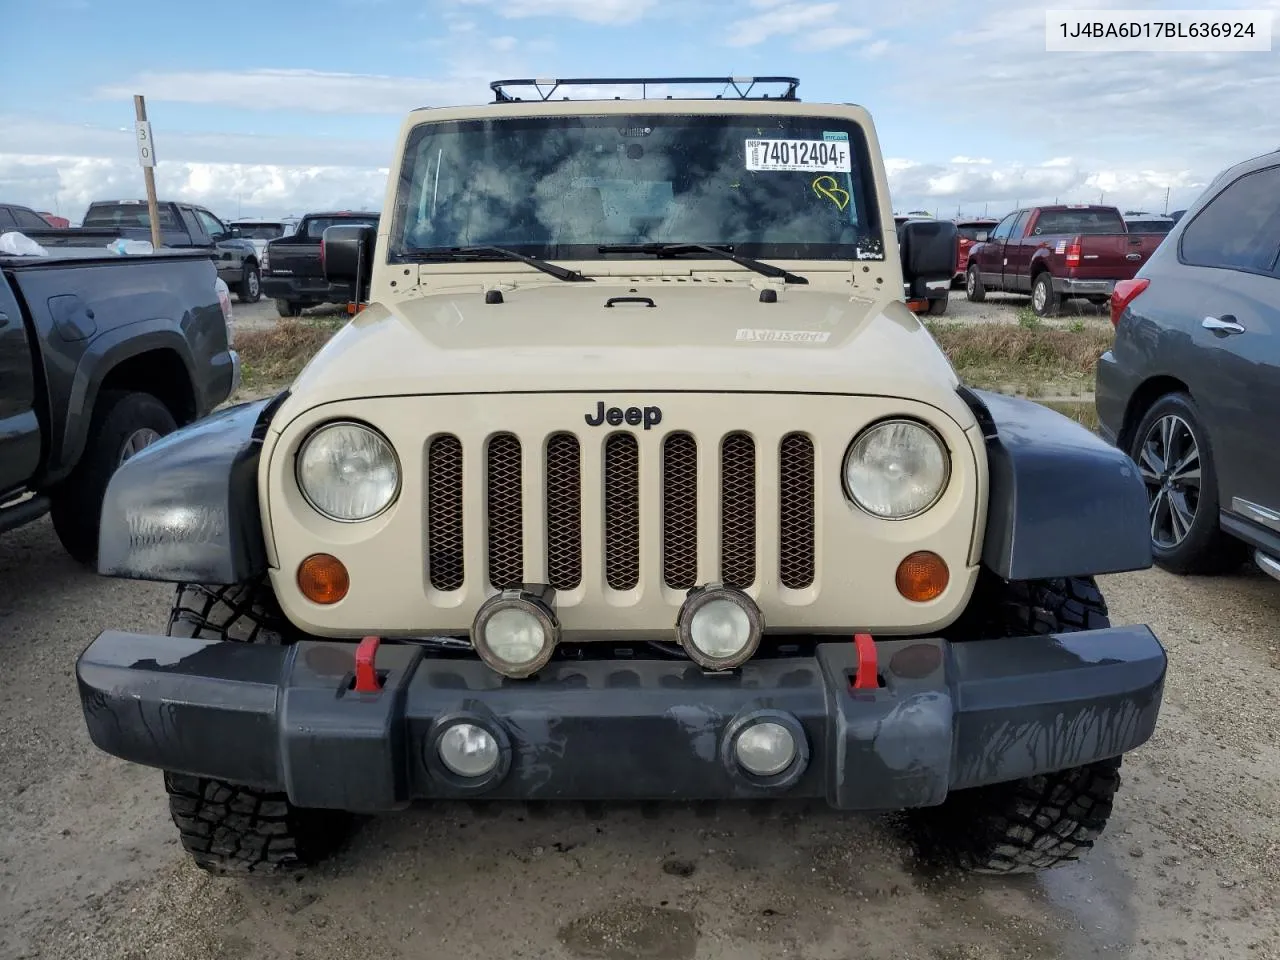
x,y
275,107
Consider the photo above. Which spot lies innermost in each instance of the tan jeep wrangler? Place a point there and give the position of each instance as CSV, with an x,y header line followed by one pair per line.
x,y
633,479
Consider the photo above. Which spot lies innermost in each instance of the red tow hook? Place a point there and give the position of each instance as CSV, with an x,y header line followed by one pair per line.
x,y
868,675
366,668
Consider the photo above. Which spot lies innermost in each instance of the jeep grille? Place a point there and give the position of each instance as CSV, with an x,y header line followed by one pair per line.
x,y
623,474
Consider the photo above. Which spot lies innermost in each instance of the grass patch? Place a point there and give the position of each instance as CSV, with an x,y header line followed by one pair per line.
x,y
1083,412
276,355
1035,360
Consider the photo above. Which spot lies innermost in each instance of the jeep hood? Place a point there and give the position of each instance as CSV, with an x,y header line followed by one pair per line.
x,y
714,336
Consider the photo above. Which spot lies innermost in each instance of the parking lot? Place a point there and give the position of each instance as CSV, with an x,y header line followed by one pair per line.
x,y
1190,867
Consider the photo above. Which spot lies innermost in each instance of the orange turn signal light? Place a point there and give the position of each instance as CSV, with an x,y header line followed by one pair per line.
x,y
922,576
323,579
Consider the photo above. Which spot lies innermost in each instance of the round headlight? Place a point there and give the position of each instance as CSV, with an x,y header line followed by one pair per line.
x,y
896,469
719,627
469,750
765,749
515,633
348,472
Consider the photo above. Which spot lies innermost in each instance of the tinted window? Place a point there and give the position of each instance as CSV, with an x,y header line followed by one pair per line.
x,y
27,220
1240,228
976,234
127,215
260,231
772,186
1002,230
1079,221
316,228
210,223
1021,224
6,220
1149,226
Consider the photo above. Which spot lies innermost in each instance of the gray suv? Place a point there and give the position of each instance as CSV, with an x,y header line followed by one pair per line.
x,y
1191,386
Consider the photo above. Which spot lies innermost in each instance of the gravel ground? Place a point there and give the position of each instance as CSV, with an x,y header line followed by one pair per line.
x,y
1190,868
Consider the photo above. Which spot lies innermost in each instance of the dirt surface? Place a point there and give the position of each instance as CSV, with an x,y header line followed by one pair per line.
x,y
1190,868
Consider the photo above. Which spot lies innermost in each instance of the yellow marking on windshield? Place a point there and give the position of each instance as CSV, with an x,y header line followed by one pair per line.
x,y
829,188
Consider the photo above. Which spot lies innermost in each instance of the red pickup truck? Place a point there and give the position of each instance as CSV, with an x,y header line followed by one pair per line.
x,y
1057,252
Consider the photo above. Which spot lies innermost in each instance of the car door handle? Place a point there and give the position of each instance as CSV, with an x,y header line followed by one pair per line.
x,y
4,319
1133,256
1224,325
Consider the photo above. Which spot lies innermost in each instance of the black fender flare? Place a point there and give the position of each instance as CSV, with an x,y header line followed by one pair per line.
x,y
107,352
185,509
1061,501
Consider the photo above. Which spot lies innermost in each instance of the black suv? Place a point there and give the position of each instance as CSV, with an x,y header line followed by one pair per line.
x,y
1191,387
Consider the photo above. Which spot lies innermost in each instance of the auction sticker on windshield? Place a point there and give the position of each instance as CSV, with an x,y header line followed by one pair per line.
x,y
826,156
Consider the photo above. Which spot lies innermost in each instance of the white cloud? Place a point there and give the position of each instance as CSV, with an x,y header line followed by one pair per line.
x,y
875,49
589,11
312,91
831,38
70,184
786,19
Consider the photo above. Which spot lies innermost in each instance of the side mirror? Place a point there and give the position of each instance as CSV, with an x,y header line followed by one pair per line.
x,y
928,249
346,255
234,233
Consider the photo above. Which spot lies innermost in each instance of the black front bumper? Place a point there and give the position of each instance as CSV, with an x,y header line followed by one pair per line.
x,y
945,717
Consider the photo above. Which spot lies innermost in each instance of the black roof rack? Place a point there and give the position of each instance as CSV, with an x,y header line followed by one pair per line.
x,y
742,87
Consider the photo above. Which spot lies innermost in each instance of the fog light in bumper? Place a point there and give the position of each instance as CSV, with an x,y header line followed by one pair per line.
x,y
516,631
469,750
719,627
765,749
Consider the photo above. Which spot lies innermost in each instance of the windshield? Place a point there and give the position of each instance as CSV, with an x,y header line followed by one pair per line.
x,y
260,231
559,187
126,215
316,226
977,234
1079,221
1149,226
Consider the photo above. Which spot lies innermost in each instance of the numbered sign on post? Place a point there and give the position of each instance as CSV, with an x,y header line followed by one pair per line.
x,y
146,148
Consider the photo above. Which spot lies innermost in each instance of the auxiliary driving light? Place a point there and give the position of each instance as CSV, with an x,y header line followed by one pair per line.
x,y
469,750
765,749
719,627
516,631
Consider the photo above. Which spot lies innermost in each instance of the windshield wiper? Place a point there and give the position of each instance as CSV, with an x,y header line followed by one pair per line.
x,y
680,249
498,253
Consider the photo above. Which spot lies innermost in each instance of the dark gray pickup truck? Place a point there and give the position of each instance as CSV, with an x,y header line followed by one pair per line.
x,y
100,355
293,266
182,225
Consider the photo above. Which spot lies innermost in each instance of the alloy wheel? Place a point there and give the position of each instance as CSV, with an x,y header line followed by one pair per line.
x,y
1169,460
137,441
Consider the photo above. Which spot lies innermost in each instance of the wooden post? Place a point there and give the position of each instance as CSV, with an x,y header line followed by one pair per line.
x,y
147,159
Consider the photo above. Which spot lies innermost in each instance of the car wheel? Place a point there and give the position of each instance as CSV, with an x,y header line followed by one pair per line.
x,y
1172,450
974,291
1044,300
122,425
288,308
250,288
229,828
1039,822
938,305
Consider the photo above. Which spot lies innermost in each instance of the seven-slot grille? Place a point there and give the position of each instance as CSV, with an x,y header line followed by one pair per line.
x,y
739,510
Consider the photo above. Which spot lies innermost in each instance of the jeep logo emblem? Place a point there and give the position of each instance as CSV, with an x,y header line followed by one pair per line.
x,y
632,416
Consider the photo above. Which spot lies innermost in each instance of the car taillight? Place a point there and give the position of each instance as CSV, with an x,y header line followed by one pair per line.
x,y
1125,292
1073,253
322,255
266,259
224,301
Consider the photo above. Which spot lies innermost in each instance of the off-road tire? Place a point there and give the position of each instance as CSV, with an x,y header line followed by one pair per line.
x,y
1052,301
1206,549
938,305
76,507
249,289
288,308
1038,822
974,291
229,828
